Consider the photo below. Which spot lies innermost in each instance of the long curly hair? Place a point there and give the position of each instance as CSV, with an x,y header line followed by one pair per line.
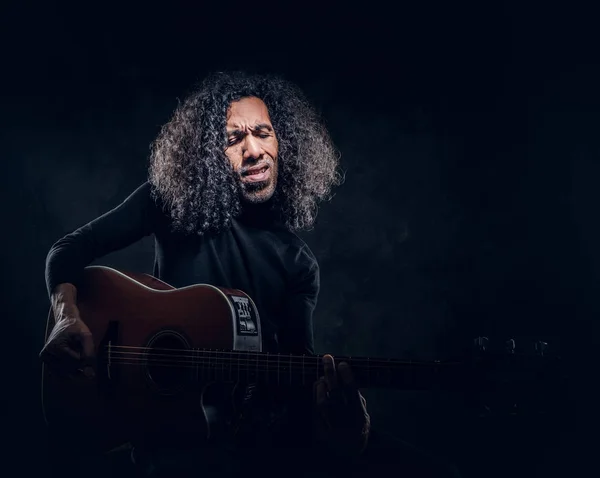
x,y
192,176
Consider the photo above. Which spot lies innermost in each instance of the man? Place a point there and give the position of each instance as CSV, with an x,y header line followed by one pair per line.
x,y
238,169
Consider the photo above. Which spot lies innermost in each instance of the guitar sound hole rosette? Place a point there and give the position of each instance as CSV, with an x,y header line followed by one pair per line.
x,y
168,362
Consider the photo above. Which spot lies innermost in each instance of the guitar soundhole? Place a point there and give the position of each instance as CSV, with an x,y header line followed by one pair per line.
x,y
168,362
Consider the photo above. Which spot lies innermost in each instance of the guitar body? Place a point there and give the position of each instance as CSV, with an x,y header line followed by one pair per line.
x,y
147,337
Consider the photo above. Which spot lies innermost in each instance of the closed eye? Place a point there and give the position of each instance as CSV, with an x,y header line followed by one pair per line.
x,y
233,140
236,136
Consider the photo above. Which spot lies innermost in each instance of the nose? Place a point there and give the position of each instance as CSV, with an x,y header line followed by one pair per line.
x,y
251,148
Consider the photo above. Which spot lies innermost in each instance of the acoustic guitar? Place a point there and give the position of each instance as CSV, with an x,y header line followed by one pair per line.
x,y
167,357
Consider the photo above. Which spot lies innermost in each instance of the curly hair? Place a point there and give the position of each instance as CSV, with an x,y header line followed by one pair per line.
x,y
191,174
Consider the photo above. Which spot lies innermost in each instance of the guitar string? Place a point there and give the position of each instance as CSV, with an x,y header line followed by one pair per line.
x,y
224,362
304,357
247,369
254,360
248,356
242,369
243,352
261,370
254,363
253,357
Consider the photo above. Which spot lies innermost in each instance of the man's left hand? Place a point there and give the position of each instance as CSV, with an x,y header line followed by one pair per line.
x,y
342,423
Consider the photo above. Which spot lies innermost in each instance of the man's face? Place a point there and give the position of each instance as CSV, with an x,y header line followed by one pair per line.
x,y
252,148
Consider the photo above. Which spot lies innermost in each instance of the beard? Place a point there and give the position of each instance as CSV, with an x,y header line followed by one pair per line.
x,y
257,192
250,188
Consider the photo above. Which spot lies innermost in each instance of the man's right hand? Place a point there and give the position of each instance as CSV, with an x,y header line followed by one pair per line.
x,y
70,345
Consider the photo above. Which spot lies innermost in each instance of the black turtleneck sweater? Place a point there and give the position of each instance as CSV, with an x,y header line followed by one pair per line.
x,y
274,266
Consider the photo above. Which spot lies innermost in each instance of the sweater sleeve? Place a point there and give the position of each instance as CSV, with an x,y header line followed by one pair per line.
x,y
296,333
293,429
118,228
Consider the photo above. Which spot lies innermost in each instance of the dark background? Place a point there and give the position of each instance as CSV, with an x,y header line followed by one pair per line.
x,y
469,136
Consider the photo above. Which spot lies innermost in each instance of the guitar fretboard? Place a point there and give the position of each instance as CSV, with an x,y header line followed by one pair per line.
x,y
292,369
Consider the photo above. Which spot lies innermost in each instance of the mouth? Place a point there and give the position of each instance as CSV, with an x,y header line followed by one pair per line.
x,y
257,173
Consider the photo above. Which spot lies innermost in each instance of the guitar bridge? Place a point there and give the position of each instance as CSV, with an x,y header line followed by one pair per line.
x,y
108,352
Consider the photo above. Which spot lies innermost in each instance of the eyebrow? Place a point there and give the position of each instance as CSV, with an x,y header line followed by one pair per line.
x,y
259,126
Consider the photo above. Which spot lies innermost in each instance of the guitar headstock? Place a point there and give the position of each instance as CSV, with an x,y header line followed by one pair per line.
x,y
483,346
515,377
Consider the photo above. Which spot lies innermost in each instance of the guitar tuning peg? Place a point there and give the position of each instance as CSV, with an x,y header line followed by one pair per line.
x,y
481,344
541,347
510,346
484,412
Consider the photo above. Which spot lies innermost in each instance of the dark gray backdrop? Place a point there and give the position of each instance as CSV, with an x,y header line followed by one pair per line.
x,y
468,134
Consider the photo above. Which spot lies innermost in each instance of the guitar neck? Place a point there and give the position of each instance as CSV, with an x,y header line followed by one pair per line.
x,y
367,372
291,369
